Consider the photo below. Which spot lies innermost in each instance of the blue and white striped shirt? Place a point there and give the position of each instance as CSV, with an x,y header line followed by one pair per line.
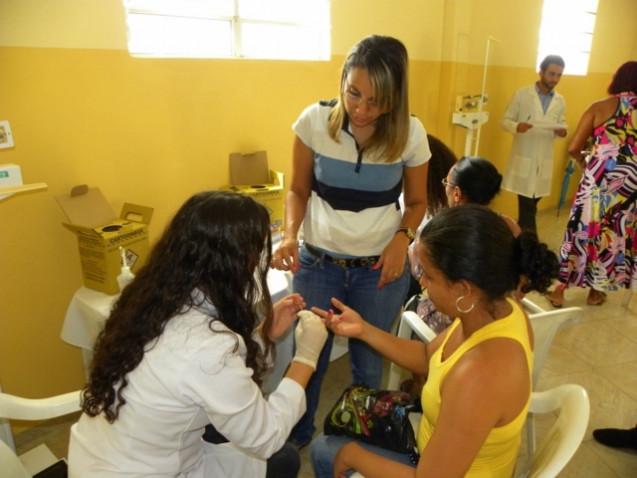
x,y
353,208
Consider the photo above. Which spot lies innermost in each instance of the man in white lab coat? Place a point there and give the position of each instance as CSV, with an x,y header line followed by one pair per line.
x,y
535,116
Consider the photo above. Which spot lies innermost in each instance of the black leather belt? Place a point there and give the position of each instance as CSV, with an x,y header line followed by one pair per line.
x,y
349,263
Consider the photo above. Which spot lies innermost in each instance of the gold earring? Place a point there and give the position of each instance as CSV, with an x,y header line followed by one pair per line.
x,y
463,311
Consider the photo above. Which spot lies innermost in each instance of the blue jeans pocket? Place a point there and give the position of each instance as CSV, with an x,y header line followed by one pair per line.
x,y
308,260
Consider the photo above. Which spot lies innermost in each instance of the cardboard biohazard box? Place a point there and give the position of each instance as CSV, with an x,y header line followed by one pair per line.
x,y
100,234
250,175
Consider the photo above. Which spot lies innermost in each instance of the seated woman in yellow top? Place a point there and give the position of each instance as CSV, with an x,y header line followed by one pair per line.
x,y
479,369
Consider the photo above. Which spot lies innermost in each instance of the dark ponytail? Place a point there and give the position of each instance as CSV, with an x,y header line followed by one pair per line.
x,y
536,262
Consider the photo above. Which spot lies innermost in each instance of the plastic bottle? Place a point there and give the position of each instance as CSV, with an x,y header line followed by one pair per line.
x,y
125,276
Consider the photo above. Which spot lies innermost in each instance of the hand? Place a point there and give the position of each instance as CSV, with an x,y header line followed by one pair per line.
x,y
286,257
340,462
348,323
284,314
523,127
392,260
310,336
561,132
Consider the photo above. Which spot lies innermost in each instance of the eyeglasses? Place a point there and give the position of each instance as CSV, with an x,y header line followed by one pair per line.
x,y
446,183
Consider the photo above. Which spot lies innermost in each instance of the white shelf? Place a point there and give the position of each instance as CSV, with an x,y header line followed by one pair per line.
x,y
8,191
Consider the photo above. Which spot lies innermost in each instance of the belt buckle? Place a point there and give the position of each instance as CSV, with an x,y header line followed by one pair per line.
x,y
340,262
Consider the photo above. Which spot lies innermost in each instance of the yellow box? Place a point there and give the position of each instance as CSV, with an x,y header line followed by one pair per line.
x,y
100,234
249,174
270,195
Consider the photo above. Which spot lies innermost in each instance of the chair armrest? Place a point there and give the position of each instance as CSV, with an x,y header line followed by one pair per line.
x,y
19,408
422,330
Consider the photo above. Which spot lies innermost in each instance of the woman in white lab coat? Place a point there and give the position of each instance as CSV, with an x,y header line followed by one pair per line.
x,y
185,346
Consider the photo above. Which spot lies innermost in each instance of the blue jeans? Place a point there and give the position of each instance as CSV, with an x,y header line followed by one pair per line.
x,y
325,447
318,281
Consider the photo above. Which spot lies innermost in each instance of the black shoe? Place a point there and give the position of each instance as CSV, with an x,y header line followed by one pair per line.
x,y
616,437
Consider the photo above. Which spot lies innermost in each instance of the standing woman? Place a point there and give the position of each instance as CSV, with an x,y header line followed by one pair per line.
x,y
185,346
353,156
599,250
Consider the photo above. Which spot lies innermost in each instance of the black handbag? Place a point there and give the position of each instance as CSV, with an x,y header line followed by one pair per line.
x,y
377,417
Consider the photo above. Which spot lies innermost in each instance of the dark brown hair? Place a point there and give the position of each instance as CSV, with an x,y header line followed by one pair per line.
x,y
442,160
217,250
624,79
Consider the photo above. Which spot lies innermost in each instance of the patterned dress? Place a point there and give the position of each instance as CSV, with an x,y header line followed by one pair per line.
x,y
600,244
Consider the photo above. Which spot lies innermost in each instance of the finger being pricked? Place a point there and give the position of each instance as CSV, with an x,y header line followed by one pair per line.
x,y
295,300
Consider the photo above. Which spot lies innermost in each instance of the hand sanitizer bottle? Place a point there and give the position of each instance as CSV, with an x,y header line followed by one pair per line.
x,y
125,276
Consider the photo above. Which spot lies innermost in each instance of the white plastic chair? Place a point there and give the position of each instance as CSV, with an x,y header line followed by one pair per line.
x,y
18,408
545,325
409,322
565,436
561,442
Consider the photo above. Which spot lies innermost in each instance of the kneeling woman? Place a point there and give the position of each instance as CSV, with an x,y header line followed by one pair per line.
x,y
185,346
478,370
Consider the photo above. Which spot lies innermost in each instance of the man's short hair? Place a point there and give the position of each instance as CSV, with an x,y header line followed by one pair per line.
x,y
551,60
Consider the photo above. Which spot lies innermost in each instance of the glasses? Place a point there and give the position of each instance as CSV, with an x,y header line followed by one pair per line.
x,y
446,183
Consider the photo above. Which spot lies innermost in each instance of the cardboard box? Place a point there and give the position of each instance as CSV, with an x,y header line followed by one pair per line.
x,y
100,234
250,174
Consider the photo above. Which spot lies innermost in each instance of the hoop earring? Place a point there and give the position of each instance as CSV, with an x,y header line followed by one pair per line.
x,y
463,311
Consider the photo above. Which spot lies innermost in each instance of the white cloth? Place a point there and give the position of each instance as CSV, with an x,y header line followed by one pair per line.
x,y
530,167
189,377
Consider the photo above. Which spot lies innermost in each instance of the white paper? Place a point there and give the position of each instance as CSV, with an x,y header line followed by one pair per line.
x,y
552,126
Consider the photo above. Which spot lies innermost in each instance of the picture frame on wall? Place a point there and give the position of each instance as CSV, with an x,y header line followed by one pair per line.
x,y
6,137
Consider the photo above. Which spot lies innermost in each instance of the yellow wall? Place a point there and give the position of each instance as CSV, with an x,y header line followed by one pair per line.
x,y
155,131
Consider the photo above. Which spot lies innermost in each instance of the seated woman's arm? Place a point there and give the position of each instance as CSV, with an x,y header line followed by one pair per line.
x,y
412,355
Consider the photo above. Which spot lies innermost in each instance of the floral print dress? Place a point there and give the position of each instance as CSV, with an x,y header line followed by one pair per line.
x,y
599,249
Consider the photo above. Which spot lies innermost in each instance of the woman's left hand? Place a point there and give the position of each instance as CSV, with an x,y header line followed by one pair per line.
x,y
392,260
284,314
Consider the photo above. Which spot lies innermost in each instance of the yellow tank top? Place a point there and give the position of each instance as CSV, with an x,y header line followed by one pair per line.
x,y
498,454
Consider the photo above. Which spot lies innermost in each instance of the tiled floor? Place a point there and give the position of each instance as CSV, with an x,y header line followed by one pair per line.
x,y
600,353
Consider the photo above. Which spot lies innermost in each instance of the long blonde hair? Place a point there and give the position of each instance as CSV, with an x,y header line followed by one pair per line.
x,y
386,62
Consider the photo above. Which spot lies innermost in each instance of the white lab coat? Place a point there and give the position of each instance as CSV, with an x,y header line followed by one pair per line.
x,y
191,375
530,167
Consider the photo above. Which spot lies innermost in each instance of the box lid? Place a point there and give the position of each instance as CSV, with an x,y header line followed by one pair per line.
x,y
86,207
136,213
250,168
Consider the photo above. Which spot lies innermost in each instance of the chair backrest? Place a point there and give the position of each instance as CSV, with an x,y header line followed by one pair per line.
x,y
565,436
545,325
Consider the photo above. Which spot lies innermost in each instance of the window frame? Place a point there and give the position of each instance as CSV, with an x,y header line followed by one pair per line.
x,y
547,45
236,24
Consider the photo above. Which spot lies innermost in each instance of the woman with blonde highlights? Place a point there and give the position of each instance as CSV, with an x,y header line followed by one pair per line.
x,y
353,156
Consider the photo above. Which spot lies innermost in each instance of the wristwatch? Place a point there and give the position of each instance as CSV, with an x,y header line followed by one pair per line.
x,y
408,232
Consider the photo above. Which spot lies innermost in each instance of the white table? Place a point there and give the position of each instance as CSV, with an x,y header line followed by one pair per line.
x,y
89,309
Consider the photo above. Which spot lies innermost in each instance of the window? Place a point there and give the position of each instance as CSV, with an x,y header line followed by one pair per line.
x,y
274,29
567,30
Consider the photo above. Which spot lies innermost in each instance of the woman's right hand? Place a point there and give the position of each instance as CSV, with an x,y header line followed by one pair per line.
x,y
286,257
348,323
